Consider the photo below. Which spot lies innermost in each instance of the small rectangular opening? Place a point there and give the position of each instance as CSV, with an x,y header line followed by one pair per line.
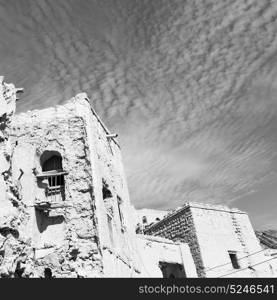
x,y
172,270
234,259
106,192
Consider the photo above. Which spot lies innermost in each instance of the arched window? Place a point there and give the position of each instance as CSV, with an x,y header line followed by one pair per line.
x,y
52,175
54,165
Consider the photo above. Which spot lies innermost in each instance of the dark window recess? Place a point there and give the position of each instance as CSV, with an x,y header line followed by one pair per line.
x,y
234,259
47,273
171,270
54,164
74,254
18,271
105,190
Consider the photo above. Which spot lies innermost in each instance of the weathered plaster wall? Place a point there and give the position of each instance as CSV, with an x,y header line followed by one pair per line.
x,y
155,250
11,209
211,232
219,230
271,255
66,239
118,242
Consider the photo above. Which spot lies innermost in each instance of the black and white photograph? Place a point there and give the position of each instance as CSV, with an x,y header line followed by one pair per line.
x,y
138,139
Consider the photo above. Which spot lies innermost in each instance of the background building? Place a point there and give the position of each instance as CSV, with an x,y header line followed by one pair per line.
x,y
72,211
222,240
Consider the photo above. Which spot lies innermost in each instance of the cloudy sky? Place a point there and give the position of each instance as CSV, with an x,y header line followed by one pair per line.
x,y
190,86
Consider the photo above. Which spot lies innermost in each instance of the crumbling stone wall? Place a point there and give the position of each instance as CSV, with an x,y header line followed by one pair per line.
x,y
73,219
114,212
64,239
211,232
7,110
12,247
70,235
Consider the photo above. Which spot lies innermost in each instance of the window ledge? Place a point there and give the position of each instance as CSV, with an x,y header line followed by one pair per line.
x,y
51,173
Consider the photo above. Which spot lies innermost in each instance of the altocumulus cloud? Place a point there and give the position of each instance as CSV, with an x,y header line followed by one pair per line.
x,y
189,85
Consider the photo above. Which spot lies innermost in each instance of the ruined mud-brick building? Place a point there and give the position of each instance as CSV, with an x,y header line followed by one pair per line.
x,y
72,215
222,240
65,209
